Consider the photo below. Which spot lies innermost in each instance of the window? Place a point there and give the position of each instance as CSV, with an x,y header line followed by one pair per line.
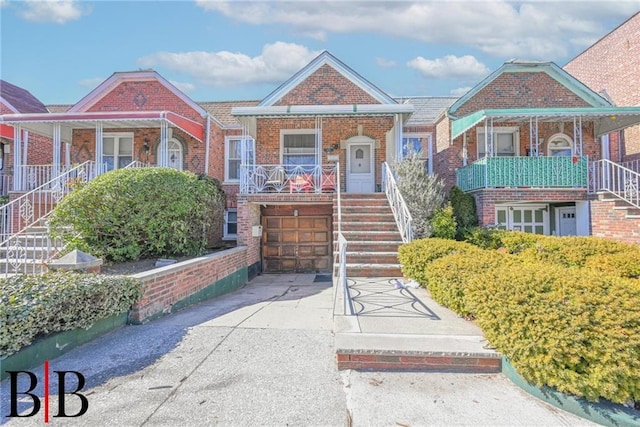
x,y
233,156
560,146
530,218
418,143
117,150
299,148
175,154
230,231
506,142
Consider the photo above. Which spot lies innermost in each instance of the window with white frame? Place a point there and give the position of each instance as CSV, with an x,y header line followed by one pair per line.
x,y
527,218
418,143
230,231
506,142
560,145
299,148
117,150
234,148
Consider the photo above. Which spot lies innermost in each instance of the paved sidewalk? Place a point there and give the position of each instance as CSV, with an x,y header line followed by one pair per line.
x,y
264,355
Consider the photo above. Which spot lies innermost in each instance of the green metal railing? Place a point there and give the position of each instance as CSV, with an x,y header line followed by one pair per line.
x,y
532,172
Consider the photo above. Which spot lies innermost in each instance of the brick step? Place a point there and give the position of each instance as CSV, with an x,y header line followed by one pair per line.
x,y
374,245
371,257
350,196
365,217
373,270
365,226
360,235
380,352
364,210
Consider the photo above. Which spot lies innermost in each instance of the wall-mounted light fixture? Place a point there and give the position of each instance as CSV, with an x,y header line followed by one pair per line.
x,y
145,145
331,148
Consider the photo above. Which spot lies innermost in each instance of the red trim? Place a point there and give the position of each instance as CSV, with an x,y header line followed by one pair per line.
x,y
6,131
195,129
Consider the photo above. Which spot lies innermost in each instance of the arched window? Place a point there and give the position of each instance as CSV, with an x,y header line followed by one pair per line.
x,y
560,145
175,155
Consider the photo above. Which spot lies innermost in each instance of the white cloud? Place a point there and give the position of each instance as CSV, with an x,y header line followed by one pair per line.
x,y
91,83
56,11
545,30
184,86
460,91
385,63
277,61
450,67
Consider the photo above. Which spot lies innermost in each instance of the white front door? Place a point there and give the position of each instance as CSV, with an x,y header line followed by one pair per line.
x,y
567,221
360,168
175,154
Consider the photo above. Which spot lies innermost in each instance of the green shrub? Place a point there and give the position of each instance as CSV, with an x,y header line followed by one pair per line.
x,y
128,214
4,200
621,264
416,256
447,277
464,210
516,242
485,238
577,330
32,306
443,223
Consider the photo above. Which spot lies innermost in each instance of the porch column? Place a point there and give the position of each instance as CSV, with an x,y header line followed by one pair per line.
x,y
163,147
534,139
17,158
398,126
67,155
99,149
577,136
55,167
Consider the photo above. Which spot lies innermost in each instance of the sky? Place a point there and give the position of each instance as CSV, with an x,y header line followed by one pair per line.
x,y
60,50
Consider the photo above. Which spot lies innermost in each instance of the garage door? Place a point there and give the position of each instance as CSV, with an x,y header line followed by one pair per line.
x,y
300,244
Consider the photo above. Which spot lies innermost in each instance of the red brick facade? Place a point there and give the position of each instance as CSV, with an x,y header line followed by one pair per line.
x,y
611,66
611,222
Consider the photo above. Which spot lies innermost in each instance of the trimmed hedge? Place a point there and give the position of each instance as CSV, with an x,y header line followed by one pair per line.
x,y
128,214
33,306
575,330
417,255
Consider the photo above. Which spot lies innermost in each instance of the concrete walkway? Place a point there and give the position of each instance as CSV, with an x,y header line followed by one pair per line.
x,y
264,355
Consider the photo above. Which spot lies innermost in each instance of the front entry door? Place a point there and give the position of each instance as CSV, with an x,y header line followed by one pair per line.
x,y
567,221
360,168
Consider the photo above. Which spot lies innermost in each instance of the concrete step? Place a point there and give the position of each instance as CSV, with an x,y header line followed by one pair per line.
x,y
34,252
23,266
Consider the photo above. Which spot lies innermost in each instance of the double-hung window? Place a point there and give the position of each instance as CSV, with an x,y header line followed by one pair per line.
x,y
230,231
117,150
421,144
506,142
299,149
237,149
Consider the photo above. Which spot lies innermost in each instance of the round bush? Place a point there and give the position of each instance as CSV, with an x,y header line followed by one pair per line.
x,y
577,330
128,214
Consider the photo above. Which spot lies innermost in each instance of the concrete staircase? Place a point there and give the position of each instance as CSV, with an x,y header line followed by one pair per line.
x,y
27,252
372,234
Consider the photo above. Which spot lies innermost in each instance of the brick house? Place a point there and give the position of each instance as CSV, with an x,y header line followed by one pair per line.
x,y
522,142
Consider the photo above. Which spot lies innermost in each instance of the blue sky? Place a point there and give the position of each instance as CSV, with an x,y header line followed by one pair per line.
x,y
236,50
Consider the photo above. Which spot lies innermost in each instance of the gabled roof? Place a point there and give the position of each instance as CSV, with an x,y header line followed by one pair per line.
x,y
20,100
116,78
221,111
426,108
59,108
550,68
323,59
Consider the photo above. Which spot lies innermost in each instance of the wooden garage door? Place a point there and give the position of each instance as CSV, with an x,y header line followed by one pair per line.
x,y
300,244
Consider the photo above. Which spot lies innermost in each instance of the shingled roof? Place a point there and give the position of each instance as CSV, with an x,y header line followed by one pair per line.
x,y
221,111
427,108
20,99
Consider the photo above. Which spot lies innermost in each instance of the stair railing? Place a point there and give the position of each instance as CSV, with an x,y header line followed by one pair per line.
x,y
615,179
341,279
401,213
26,253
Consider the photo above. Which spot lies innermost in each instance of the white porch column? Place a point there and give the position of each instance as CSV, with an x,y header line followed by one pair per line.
x,y
99,149
577,136
17,158
163,147
67,155
55,167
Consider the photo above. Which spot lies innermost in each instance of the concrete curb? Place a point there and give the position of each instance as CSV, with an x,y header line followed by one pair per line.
x,y
603,412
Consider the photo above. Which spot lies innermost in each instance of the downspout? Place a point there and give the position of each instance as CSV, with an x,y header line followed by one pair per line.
x,y
207,143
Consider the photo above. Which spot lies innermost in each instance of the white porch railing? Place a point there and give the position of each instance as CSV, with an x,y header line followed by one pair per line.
x,y
617,180
6,183
22,251
398,205
341,283
138,164
287,179
33,176
634,165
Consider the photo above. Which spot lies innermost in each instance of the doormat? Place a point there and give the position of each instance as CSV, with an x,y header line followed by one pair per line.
x,y
322,278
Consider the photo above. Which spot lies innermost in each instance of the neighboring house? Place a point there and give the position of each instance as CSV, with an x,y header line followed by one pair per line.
x,y
611,67
521,142
16,100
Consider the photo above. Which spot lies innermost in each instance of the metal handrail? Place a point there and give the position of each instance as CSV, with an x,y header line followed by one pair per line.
x,y
615,179
401,213
17,216
341,280
287,179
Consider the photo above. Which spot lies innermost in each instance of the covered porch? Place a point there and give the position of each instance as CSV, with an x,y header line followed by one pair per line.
x,y
535,148
110,139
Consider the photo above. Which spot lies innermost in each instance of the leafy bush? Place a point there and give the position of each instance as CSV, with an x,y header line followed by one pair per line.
x,y
4,200
464,210
422,192
416,256
447,277
621,264
573,329
485,238
443,223
128,214
31,306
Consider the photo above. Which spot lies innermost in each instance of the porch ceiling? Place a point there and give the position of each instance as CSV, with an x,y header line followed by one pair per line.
x,y
43,124
607,119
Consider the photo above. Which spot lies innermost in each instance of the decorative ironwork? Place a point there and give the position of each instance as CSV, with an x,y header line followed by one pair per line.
x,y
287,178
16,253
26,211
401,213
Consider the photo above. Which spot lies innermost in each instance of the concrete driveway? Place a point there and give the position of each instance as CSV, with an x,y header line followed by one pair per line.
x,y
264,355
